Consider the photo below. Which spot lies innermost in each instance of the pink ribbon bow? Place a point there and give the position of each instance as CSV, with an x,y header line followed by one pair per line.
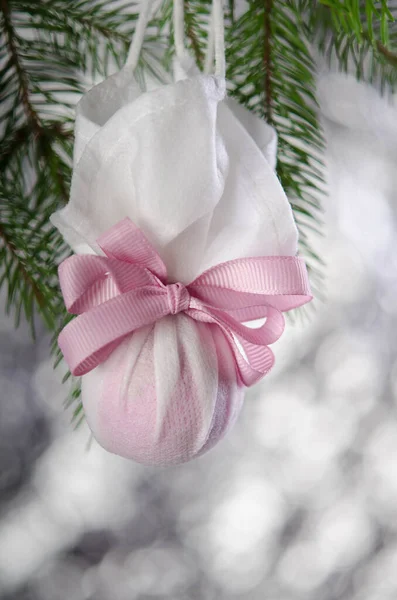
x,y
116,294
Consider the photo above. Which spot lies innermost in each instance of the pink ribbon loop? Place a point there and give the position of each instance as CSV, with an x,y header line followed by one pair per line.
x,y
116,294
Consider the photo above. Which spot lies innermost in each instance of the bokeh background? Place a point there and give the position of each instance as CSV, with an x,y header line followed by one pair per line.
x,y
299,502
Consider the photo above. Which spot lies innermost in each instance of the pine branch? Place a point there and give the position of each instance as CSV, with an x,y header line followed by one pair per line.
x,y
355,17
390,56
33,76
29,281
273,74
355,40
91,30
15,143
23,79
29,251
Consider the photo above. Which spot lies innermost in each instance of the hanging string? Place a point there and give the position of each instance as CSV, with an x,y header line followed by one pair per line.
x,y
209,55
219,35
179,29
137,42
216,41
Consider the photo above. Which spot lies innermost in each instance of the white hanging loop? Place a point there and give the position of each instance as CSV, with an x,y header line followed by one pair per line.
x,y
219,35
179,29
209,56
139,35
216,41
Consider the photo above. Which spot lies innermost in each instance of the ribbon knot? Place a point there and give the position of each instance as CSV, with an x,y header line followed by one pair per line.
x,y
178,298
116,294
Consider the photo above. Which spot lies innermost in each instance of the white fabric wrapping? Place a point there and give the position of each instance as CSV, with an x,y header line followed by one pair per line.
x,y
195,172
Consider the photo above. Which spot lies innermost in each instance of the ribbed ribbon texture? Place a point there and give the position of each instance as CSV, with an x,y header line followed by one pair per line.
x,y
116,294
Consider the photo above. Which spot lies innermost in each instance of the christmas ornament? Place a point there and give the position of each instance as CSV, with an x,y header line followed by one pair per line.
x,y
182,234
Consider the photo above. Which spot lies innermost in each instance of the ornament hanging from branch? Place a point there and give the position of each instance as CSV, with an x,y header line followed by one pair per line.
x,y
182,234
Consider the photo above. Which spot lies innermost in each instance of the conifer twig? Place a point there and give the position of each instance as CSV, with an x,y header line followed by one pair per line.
x,y
41,301
390,56
23,80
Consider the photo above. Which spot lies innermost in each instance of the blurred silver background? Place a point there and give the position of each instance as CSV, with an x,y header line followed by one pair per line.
x,y
299,502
